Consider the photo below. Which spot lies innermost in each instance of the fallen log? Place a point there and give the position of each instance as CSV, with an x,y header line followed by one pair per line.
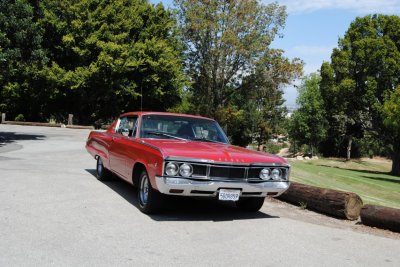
x,y
344,205
381,217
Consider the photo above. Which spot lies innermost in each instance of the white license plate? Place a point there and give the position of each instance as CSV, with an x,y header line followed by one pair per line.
x,y
229,194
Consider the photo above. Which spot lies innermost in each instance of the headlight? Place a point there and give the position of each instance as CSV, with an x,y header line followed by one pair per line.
x,y
171,169
276,174
264,174
186,170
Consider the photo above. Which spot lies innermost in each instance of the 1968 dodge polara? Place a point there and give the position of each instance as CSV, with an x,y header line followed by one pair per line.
x,y
176,154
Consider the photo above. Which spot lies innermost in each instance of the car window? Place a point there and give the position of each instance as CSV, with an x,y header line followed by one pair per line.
x,y
127,126
181,127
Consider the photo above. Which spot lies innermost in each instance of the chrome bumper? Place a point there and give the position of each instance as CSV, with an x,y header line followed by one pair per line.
x,y
187,187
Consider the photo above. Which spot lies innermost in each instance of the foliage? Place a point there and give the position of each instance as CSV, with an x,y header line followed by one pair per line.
x,y
92,58
235,76
20,117
391,113
272,148
308,123
364,70
111,57
21,56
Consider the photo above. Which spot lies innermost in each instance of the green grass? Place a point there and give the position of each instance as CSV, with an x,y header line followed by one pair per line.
x,y
367,178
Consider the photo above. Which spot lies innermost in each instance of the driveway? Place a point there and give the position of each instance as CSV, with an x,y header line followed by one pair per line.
x,y
53,211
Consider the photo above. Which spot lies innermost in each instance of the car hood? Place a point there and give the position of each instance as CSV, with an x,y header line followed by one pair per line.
x,y
211,152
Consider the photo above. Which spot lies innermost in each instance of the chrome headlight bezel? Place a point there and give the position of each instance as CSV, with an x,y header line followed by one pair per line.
x,y
276,174
168,167
186,170
265,174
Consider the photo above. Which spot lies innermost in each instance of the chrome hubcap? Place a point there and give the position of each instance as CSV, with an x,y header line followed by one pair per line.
x,y
144,190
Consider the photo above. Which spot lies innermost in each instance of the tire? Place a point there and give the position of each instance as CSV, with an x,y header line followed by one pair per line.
x,y
150,200
102,173
250,204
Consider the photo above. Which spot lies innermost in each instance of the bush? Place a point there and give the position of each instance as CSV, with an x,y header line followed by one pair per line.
x,y
272,148
20,117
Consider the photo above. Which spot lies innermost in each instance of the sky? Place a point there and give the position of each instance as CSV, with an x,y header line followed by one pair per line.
x,y
313,28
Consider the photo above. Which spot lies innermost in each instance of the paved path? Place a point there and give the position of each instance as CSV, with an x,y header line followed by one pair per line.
x,y
53,211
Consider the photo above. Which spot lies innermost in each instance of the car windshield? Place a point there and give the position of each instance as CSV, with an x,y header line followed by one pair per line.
x,y
181,127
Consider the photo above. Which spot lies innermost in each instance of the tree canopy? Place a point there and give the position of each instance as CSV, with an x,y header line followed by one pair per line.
x,y
308,124
363,74
235,76
100,58
97,58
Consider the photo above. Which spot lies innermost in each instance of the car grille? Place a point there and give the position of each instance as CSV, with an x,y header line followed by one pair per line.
x,y
227,172
231,172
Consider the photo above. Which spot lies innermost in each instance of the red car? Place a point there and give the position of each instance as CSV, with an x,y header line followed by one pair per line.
x,y
176,154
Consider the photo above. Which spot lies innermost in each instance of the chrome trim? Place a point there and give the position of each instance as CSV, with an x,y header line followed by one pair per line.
x,y
246,168
165,184
133,139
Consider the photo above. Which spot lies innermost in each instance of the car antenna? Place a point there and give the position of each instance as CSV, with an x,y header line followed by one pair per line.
x,y
141,97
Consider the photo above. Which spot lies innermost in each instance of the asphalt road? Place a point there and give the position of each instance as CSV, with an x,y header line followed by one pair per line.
x,y
53,211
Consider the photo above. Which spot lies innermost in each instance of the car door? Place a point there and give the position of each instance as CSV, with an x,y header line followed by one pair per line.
x,y
119,149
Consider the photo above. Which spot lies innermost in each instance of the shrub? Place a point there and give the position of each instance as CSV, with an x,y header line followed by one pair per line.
x,y
20,117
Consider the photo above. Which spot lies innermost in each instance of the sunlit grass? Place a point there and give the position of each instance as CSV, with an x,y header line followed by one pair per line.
x,y
368,178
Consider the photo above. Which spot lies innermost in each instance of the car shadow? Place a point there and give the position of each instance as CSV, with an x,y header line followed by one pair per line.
x,y
178,208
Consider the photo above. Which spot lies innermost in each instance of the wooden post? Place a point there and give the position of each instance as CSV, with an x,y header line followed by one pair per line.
x,y
70,117
3,117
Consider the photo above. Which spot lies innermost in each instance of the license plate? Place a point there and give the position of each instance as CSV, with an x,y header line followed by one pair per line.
x,y
228,195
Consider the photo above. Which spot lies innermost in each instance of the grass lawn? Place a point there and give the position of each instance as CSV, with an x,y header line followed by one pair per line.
x,y
368,178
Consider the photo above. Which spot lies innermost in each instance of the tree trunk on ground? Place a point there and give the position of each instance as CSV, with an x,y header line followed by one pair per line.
x,y
381,217
339,204
396,162
350,141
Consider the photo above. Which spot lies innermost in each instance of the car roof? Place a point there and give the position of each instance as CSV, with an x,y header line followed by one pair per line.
x,y
140,113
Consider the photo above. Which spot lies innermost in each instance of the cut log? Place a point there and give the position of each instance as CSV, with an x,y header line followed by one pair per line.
x,y
381,217
344,205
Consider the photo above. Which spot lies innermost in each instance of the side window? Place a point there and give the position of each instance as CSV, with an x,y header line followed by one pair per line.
x,y
127,126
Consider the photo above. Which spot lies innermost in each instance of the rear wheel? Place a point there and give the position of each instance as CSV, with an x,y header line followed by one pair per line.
x,y
102,173
150,200
251,204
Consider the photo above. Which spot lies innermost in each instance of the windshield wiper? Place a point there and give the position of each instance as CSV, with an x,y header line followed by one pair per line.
x,y
166,135
205,140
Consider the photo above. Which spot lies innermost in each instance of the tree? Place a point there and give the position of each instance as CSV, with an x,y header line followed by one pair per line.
x,y
231,66
308,124
110,57
366,68
262,92
391,112
21,56
223,40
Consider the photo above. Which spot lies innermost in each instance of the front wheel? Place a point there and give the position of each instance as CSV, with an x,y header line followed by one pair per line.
x,y
251,204
150,200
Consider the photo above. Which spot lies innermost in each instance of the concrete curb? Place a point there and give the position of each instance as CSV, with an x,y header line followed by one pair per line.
x,y
45,124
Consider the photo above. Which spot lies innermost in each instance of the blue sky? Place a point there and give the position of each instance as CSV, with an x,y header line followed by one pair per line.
x,y
313,28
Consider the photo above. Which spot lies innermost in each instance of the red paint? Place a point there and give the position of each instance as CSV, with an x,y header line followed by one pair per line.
x,y
121,153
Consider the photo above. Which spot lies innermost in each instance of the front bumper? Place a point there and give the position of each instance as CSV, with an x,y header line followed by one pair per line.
x,y
210,188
